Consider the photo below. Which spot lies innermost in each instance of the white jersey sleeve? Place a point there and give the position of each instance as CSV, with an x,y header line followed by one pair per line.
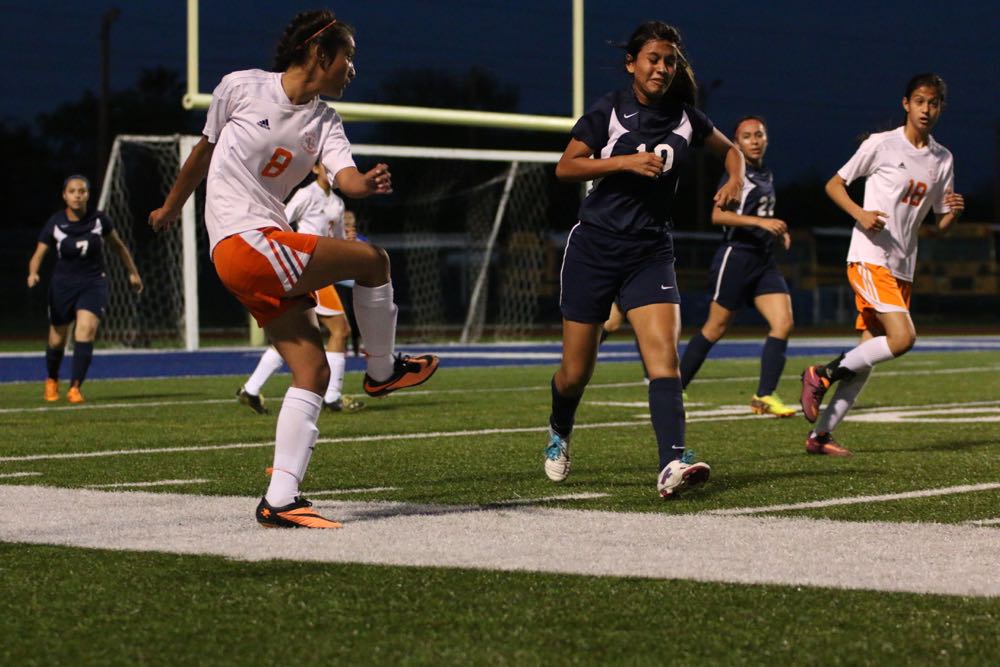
x,y
336,151
219,110
862,163
947,185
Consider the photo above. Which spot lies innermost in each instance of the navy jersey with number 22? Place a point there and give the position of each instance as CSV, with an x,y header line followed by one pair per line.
x,y
618,124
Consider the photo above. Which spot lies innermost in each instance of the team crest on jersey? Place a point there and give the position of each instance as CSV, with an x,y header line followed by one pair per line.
x,y
310,142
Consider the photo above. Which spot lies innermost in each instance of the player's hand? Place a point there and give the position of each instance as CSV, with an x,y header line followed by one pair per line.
x,y
379,180
729,195
774,225
642,163
136,282
873,221
162,218
33,279
955,202
786,240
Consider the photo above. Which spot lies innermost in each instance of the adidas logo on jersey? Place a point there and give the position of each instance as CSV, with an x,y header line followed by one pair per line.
x,y
264,124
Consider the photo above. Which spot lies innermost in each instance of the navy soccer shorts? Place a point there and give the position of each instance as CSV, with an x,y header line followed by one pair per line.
x,y
739,275
66,296
600,268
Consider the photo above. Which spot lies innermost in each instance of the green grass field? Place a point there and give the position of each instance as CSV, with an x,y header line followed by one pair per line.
x,y
468,445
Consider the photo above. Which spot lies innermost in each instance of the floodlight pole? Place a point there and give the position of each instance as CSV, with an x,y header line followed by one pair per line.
x,y
105,94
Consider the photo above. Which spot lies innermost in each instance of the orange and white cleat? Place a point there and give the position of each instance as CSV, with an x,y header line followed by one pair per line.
x,y
823,443
814,387
407,371
74,395
297,514
51,390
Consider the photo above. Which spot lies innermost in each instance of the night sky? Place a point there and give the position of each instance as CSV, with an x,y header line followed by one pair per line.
x,y
821,73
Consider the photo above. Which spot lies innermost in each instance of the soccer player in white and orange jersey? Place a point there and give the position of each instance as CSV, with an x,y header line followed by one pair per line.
x,y
907,173
265,131
314,209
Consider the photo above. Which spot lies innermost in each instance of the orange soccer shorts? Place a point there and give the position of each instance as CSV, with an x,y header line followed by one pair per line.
x,y
876,290
261,266
328,302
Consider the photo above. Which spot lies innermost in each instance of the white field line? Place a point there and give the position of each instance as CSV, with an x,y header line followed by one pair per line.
x,y
139,485
877,556
548,499
984,522
412,393
858,500
11,475
639,420
345,492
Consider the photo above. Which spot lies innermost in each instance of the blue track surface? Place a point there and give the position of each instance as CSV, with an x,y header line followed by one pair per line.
x,y
174,363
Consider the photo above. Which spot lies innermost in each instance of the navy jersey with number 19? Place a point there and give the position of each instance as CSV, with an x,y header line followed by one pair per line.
x,y
618,124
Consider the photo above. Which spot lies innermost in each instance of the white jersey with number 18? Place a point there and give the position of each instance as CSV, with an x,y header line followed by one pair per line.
x,y
264,147
904,182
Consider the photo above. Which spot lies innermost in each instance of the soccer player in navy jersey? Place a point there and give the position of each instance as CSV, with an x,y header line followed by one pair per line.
x,y
744,272
78,292
629,143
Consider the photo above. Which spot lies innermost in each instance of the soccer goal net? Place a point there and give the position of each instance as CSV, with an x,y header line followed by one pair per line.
x,y
475,238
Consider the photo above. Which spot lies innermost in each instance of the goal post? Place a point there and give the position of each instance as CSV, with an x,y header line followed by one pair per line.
x,y
473,236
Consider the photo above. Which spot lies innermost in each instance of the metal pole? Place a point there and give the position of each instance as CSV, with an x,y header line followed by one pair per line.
x,y
104,100
477,291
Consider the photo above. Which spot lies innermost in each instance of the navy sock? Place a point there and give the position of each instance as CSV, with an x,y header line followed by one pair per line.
x,y
563,412
666,406
82,354
772,363
694,356
53,359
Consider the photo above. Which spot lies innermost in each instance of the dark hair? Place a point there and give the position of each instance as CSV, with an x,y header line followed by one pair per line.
x,y
320,27
931,81
684,87
759,119
76,177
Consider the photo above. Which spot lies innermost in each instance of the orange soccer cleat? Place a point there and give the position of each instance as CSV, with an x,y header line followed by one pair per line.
x,y
296,514
407,371
74,395
51,390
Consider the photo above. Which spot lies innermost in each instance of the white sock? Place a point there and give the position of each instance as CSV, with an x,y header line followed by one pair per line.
x,y
268,365
293,444
846,394
337,363
867,354
376,315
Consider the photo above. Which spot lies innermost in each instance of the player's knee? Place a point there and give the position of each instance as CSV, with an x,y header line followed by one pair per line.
x,y
713,331
572,380
902,343
377,268
782,328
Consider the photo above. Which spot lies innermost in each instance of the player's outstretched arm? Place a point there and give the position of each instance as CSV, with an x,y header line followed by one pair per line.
x,y
35,263
731,192
576,165
190,177
836,189
126,257
956,203
354,184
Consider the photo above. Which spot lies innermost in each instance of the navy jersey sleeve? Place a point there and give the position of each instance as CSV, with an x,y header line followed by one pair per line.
x,y
48,233
592,128
701,125
107,226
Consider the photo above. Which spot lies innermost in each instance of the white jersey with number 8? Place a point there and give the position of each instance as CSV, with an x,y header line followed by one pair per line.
x,y
904,182
264,147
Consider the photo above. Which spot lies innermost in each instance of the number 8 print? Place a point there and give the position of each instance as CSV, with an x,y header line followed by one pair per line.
x,y
278,164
